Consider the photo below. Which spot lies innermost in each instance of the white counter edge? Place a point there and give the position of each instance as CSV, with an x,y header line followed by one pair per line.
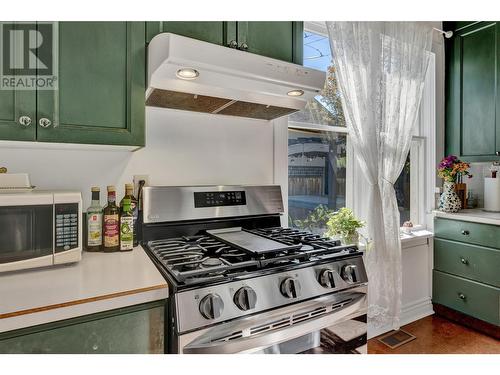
x,y
81,309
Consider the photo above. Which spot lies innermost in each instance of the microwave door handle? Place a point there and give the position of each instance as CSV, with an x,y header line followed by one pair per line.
x,y
249,344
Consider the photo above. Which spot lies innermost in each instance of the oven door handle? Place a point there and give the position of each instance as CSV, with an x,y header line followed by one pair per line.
x,y
257,342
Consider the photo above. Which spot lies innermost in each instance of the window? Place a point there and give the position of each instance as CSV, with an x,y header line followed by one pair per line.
x,y
316,176
321,177
317,147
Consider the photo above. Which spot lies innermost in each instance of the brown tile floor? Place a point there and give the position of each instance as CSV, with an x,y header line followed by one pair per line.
x,y
436,335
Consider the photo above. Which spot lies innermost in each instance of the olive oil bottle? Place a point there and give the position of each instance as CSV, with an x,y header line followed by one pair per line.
x,y
134,208
126,226
111,223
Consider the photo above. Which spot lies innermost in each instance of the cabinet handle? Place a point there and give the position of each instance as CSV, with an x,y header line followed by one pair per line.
x,y
464,261
44,122
232,44
25,121
243,46
498,153
465,232
461,296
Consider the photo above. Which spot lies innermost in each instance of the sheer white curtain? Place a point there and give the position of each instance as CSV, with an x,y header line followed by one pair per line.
x,y
380,69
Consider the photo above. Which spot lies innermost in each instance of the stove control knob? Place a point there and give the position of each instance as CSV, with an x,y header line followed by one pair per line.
x,y
327,278
245,298
349,273
211,306
290,287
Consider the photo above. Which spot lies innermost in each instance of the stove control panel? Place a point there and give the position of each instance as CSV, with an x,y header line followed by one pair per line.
x,y
219,198
212,304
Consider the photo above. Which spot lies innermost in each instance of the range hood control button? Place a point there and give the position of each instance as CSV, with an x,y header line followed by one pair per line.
x,y
211,306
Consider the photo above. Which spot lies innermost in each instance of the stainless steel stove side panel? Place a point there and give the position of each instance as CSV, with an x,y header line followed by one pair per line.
x,y
201,341
176,203
268,293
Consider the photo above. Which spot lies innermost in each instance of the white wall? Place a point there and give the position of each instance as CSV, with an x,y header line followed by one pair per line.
x,y
183,148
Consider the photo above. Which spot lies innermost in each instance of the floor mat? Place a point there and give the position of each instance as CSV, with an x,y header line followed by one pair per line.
x,y
397,338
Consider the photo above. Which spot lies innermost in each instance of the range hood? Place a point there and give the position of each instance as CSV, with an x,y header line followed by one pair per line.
x,y
192,75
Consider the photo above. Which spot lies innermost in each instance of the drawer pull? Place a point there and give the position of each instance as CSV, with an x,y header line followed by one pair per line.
x,y
465,232
462,296
464,261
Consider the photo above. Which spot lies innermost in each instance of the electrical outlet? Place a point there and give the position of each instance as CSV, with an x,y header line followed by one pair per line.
x,y
137,178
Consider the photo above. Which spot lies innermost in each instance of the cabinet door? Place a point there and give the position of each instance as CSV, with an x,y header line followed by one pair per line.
x,y
132,330
101,75
279,40
471,123
208,31
14,104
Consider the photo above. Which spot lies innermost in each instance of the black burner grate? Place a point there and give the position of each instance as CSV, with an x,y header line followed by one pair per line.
x,y
198,259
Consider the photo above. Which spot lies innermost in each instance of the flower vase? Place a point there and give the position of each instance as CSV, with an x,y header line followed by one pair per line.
x,y
449,200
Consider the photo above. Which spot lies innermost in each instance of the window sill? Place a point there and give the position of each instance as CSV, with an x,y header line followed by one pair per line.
x,y
408,240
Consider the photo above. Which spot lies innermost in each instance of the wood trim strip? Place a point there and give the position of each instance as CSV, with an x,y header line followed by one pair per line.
x,y
81,301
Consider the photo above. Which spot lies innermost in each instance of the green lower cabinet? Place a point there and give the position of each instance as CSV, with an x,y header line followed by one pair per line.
x,y
467,232
101,74
132,330
469,297
470,261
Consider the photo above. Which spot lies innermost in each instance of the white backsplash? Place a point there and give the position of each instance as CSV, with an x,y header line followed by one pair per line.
x,y
476,183
183,148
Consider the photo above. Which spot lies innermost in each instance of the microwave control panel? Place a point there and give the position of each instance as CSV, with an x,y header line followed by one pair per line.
x,y
66,229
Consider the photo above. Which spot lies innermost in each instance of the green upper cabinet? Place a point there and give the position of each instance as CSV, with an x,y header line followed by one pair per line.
x,y
279,40
101,74
472,104
100,68
273,39
17,112
208,31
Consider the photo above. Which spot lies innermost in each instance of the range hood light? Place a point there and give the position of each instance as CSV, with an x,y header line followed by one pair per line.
x,y
295,93
187,73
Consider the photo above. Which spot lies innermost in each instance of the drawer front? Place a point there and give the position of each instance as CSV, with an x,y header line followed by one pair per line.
x,y
464,231
469,297
471,261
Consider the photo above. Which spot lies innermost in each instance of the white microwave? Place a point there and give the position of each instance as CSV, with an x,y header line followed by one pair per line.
x,y
39,228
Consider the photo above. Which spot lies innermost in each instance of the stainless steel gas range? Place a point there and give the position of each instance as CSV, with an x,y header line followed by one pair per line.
x,y
240,283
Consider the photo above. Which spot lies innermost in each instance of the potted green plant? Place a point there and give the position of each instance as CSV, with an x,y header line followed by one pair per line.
x,y
316,221
345,225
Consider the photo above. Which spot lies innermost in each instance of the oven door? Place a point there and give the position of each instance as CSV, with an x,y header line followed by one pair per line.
x,y
335,323
26,232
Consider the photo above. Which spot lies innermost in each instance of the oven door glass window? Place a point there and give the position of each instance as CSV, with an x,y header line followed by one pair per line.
x,y
26,232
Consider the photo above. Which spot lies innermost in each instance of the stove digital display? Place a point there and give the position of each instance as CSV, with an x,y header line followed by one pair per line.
x,y
219,198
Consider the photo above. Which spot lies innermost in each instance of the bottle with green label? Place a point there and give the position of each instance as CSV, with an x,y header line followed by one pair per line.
x,y
126,226
134,209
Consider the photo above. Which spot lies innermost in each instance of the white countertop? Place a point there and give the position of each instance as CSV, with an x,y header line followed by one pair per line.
x,y
99,282
476,215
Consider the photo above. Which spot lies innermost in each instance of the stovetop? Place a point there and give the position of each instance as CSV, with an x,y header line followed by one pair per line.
x,y
204,259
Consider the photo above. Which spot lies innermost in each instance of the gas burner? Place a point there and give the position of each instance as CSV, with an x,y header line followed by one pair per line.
x,y
211,262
